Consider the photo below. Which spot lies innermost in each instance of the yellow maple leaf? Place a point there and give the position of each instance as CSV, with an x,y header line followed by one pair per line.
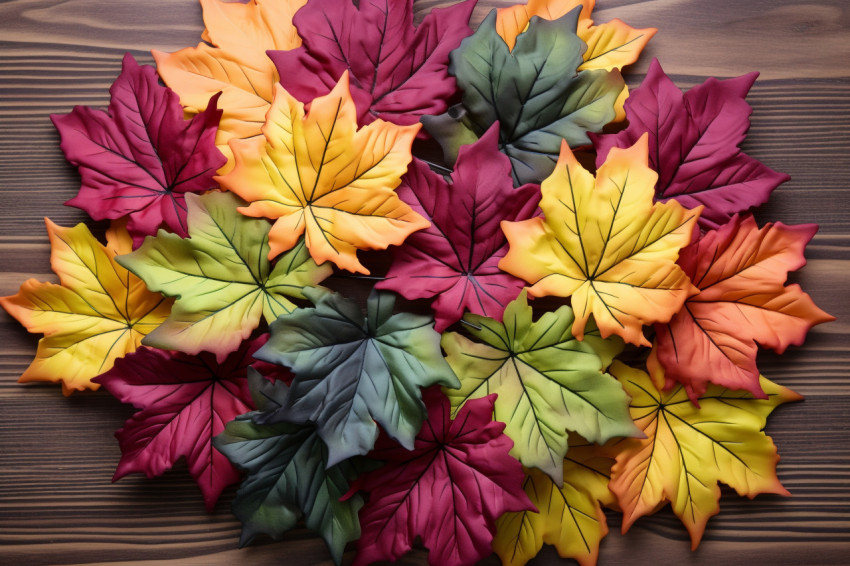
x,y
232,59
611,45
319,175
606,244
98,312
570,517
688,449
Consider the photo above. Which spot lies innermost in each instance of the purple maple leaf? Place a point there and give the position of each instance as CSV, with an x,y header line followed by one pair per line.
x,y
456,258
141,157
693,144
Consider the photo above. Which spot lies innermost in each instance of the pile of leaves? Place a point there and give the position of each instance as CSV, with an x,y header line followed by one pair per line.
x,y
289,140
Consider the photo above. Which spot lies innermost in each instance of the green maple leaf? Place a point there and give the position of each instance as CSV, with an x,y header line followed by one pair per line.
x,y
221,276
534,91
548,382
287,475
352,371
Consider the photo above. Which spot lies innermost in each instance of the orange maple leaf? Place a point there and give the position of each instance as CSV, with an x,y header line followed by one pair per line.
x,y
317,174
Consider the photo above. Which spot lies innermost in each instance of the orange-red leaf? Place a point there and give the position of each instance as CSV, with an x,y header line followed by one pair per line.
x,y
98,312
740,270
319,175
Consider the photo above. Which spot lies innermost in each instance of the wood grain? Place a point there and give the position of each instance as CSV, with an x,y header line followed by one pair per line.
x,y
57,503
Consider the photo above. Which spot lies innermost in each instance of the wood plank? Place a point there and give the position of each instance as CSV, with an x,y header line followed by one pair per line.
x,y
57,455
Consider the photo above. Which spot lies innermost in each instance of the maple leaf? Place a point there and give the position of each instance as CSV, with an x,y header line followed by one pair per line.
x,y
606,244
693,139
287,475
547,382
535,93
454,261
743,302
570,517
98,312
141,157
318,175
352,372
449,490
221,277
399,71
184,402
689,449
232,60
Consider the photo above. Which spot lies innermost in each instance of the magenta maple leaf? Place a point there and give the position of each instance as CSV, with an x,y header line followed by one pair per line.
x,y
449,490
398,71
141,157
693,144
185,401
456,259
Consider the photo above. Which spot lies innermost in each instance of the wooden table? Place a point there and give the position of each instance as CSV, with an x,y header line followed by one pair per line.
x,y
57,455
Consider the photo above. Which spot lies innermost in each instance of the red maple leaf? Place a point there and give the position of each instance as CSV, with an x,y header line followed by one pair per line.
x,y
398,71
455,260
185,401
449,490
141,157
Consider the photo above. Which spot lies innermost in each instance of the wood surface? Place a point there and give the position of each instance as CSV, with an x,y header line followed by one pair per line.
x,y
57,455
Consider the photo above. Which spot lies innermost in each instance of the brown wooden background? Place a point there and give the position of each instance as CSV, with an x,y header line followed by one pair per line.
x,y
57,455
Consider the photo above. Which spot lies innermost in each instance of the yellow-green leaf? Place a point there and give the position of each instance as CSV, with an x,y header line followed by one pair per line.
x,y
688,449
570,517
232,59
606,244
317,174
99,312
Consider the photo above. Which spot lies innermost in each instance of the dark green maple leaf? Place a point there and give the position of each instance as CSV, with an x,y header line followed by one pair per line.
x,y
534,91
352,371
287,475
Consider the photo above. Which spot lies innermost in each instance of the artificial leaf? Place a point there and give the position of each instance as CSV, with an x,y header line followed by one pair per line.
x,y
455,260
318,175
98,313
287,475
398,70
569,517
449,490
221,277
141,157
352,372
547,382
693,139
743,302
534,92
606,244
232,60
185,401
611,45
689,449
